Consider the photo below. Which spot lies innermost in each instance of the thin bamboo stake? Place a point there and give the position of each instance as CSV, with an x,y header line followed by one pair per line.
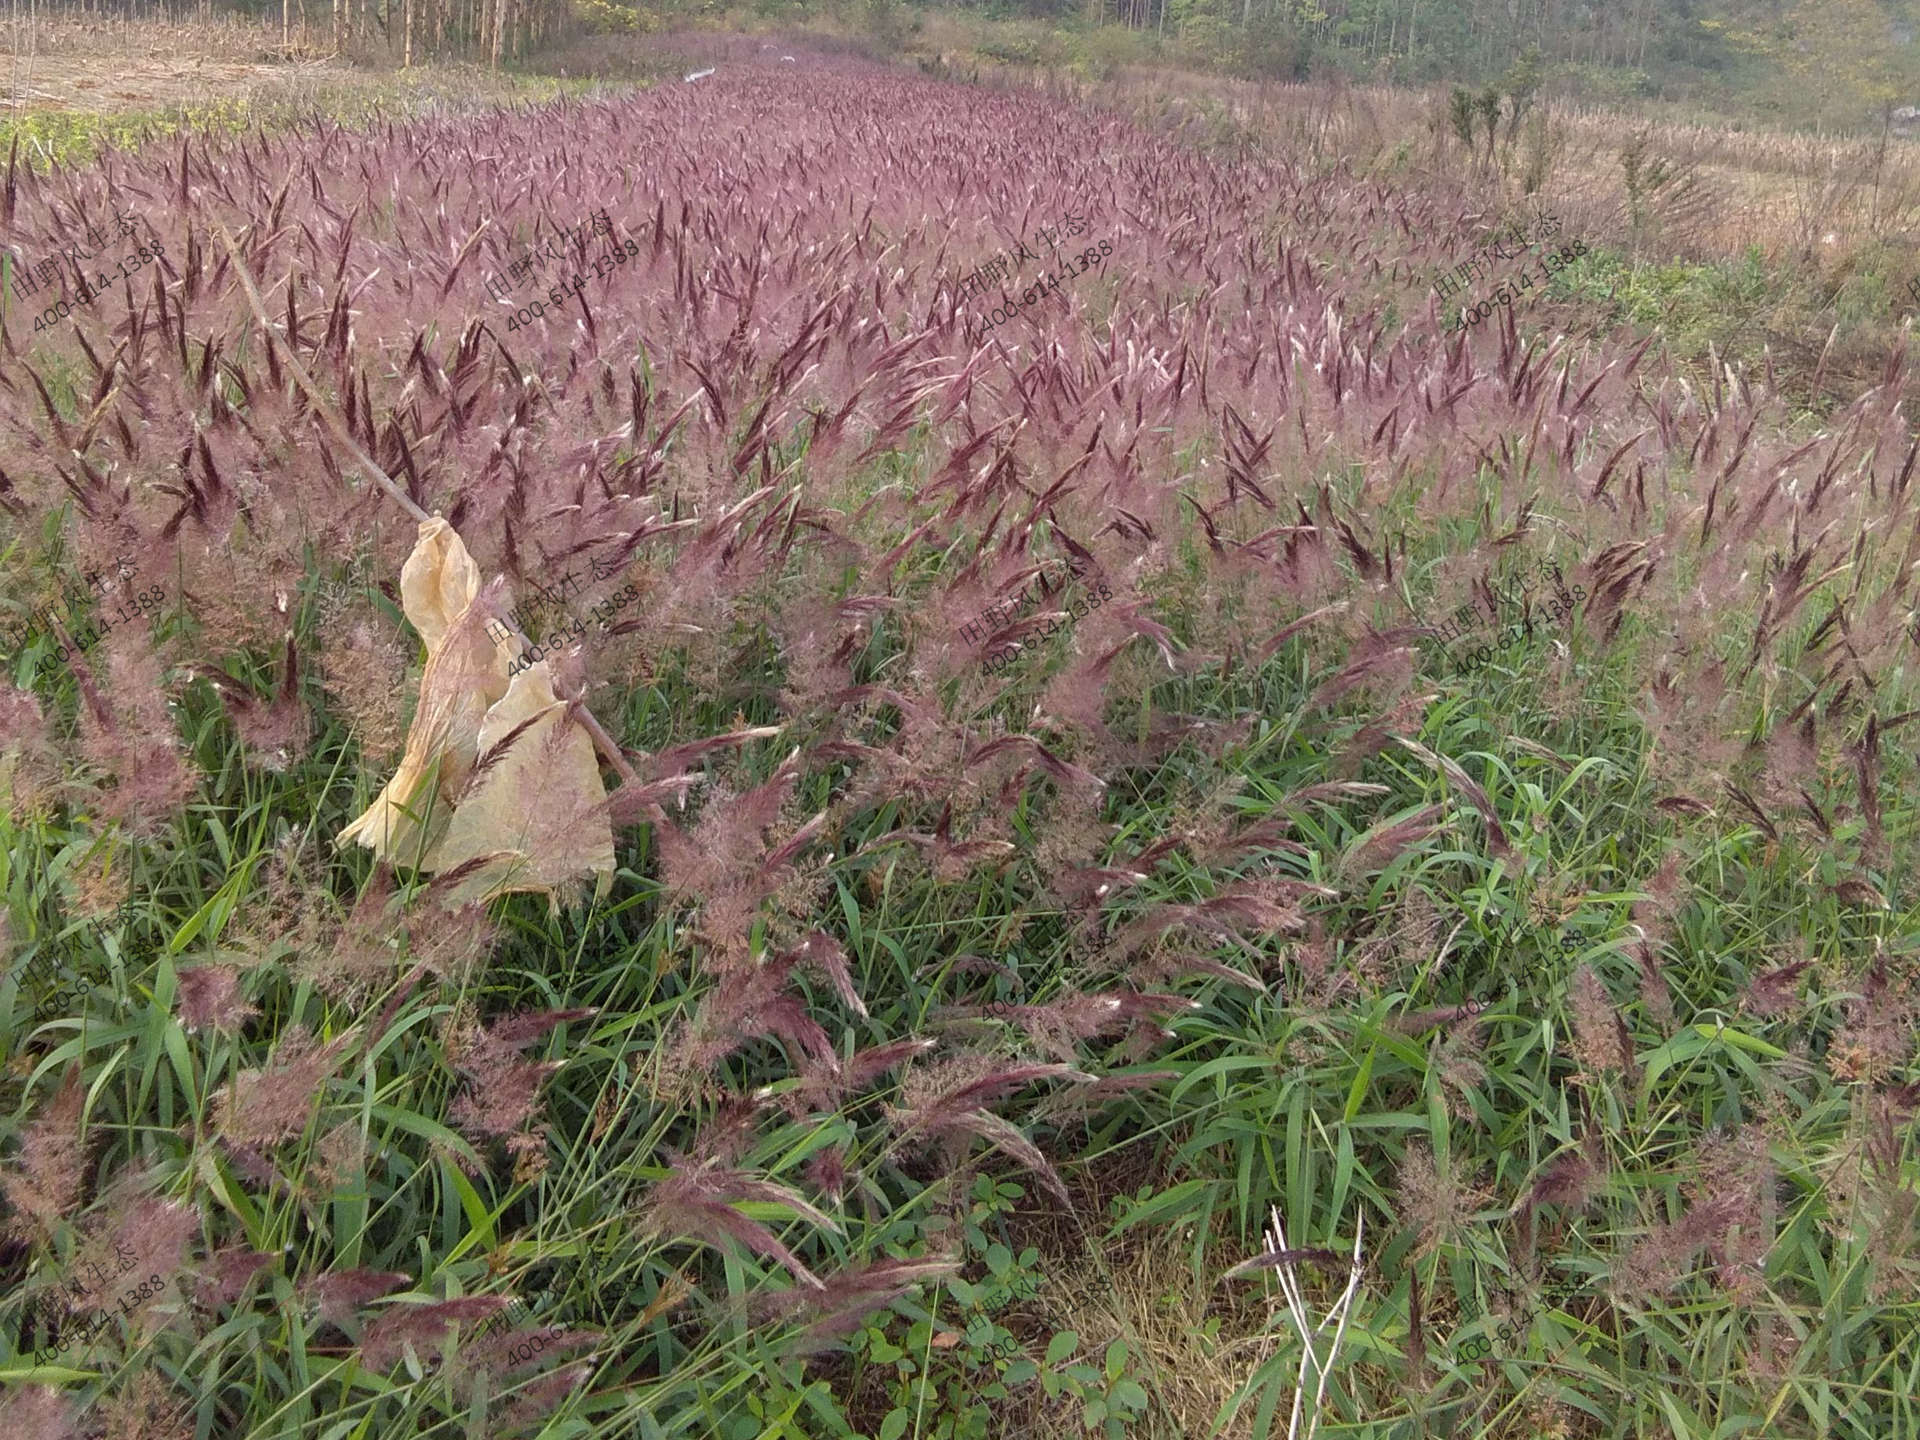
x,y
1296,1306
609,750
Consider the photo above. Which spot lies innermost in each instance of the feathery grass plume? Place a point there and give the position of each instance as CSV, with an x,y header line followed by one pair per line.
x,y
1073,1018
1653,984
1412,937
726,860
288,908
823,1082
1731,1212
1857,890
43,1182
254,1167
39,1412
538,1399
697,1199
1380,668
148,1409
360,952
1083,1102
1598,1043
745,1003
408,1327
848,1296
29,760
945,1102
502,1094
1876,1037
1161,966
1568,1182
1406,714
1872,1205
452,942
209,999
1737,1187
1379,846
363,665
1773,1348
273,734
826,1170
731,1128
1245,907
227,1274
1460,1070
825,955
157,1232
1773,992
492,1350
1792,761
275,1102
339,1157
339,1294
1688,731
1497,843
1430,1204
102,884
818,639
128,733
1076,834
1667,893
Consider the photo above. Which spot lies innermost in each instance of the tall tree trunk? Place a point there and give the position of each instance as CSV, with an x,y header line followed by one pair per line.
x,y
406,61
336,26
285,43
499,23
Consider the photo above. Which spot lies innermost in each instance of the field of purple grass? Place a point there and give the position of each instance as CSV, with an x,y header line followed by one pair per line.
x,y
787,322
735,380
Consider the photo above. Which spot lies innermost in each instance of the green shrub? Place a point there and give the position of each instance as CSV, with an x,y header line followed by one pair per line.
x,y
1100,53
1207,37
603,17
1025,44
1274,52
884,22
1460,114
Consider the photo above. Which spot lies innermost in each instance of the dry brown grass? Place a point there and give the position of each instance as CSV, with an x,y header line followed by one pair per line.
x,y
1805,196
1140,1288
225,37
111,64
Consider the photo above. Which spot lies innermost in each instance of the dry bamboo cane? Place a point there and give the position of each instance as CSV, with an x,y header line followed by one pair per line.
x,y
609,750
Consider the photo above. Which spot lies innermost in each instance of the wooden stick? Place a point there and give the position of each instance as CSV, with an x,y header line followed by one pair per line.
x,y
609,750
